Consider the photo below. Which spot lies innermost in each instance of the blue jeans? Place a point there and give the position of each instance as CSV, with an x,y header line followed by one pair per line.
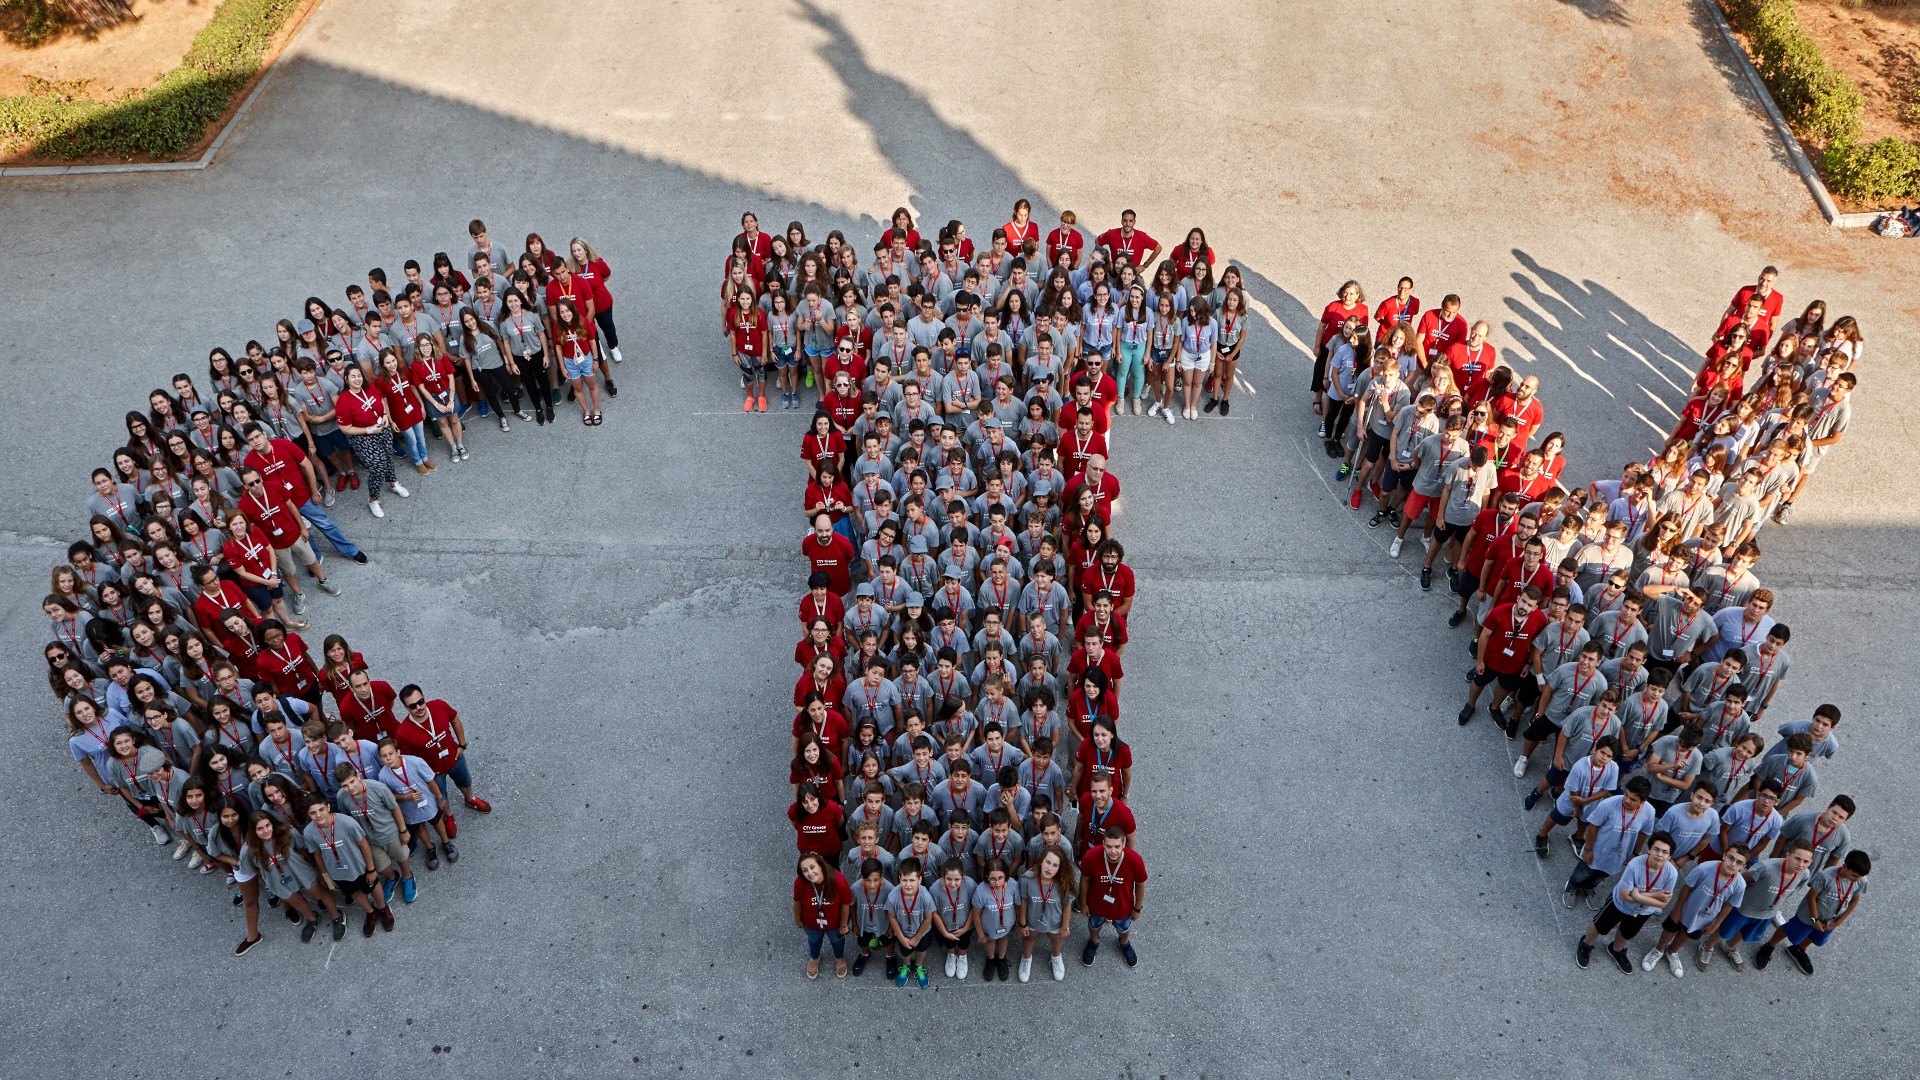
x,y
317,517
416,439
462,778
1133,362
816,936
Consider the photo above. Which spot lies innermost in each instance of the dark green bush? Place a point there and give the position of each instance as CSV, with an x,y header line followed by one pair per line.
x,y
1883,171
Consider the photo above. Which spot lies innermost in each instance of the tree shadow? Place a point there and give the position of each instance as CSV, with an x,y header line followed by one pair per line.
x,y
1597,336
1612,11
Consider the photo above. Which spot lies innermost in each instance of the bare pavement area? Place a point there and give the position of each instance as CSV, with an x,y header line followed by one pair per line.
x,y
1342,882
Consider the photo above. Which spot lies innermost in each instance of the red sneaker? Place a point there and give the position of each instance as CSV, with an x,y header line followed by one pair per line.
x,y
353,480
1377,493
453,827
1355,501
480,806
340,482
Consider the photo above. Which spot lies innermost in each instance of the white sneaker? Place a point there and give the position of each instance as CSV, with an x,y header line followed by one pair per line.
x,y
1136,406
950,965
1648,961
400,489
1026,968
1169,415
1394,551
1704,958
1153,409
180,850
1674,965
327,499
206,868
195,862
960,968
616,354
373,508
1520,767
160,836
1059,968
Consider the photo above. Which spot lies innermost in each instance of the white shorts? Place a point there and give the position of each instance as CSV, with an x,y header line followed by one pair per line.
x,y
1196,361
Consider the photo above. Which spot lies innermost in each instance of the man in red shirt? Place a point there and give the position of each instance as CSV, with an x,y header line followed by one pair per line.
x,y
1082,403
1105,486
1080,443
1506,643
286,467
368,707
830,553
1771,303
1505,542
1139,248
1113,889
1093,653
1472,358
1530,479
1492,524
1112,576
432,732
1441,330
1523,408
1402,307
216,596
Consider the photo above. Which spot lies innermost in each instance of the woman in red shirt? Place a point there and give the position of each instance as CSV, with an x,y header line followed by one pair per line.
x,y
823,907
1101,753
573,340
820,641
536,249
747,334
588,264
1089,701
402,395
251,557
827,494
1021,228
816,822
338,662
433,373
814,764
1195,250
821,719
361,412
1351,302
283,661
823,678
822,446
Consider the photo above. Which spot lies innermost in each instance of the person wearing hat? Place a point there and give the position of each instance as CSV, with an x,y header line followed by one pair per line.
x,y
163,784
920,572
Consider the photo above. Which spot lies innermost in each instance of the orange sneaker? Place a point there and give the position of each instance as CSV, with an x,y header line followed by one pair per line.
x,y
763,403
747,405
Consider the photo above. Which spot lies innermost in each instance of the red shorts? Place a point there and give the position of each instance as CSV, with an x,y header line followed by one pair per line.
x,y
1416,505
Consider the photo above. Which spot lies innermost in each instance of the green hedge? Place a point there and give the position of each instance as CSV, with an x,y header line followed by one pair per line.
x,y
1823,103
168,118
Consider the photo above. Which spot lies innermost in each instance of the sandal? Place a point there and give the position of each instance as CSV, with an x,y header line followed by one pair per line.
x,y
586,419
813,969
596,419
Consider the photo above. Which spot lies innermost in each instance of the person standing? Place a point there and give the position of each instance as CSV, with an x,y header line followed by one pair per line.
x,y
823,907
1113,889
1645,888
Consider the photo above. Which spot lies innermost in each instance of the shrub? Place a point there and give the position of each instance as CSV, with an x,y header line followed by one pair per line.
x,y
1885,170
168,118
1813,94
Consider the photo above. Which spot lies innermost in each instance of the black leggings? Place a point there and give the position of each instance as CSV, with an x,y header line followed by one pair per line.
x,y
533,376
500,387
1338,419
604,320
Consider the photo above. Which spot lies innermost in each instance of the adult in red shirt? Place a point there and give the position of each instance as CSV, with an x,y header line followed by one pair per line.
x,y
1472,358
1442,330
1066,238
254,564
1402,308
368,707
747,329
823,907
1096,478
1523,405
1110,574
218,595
1136,246
1079,442
1771,303
283,660
842,402
760,244
590,267
1515,574
822,444
823,678
396,386
823,720
1022,228
1506,642
830,553
821,602
1093,654
287,530
1101,620
1082,404
816,822
1530,479
1195,250
432,732
1113,889
1350,303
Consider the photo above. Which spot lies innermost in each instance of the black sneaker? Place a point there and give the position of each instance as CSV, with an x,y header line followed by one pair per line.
x,y
1762,956
1378,517
1225,408
612,390
1532,800
1212,404
1798,954
360,557
1127,953
988,972
452,855
1086,954
246,944
339,929
1621,960
1466,715
1456,618
1582,953
1004,975
1540,847
293,916
306,932
1426,579
1453,578
1333,449
1394,516
433,858
859,965
893,968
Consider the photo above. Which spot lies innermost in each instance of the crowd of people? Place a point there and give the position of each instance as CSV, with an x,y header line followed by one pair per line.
x,y
188,692
960,781
1630,647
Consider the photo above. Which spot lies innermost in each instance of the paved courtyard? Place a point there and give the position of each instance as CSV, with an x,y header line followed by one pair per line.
x,y
1342,879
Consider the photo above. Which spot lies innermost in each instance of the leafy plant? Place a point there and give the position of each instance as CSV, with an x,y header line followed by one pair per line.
x,y
1885,170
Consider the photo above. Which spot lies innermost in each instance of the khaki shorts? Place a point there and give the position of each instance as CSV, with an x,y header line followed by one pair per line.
x,y
293,559
389,854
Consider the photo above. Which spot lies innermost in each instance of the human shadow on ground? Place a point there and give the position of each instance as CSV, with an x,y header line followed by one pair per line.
x,y
1613,11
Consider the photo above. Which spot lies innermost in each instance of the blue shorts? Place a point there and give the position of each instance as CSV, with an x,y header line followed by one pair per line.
x,y
1156,357
784,356
1558,817
1121,926
577,367
1103,351
331,443
1800,933
1743,927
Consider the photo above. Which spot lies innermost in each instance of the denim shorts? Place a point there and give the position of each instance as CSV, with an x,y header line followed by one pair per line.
x,y
1121,926
577,367
784,356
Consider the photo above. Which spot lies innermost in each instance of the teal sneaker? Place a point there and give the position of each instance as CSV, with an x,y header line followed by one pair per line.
x,y
920,975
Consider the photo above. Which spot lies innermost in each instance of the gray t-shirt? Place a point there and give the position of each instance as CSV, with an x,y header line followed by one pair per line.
x,y
999,909
1771,888
373,812
1046,907
911,908
1829,845
1467,491
317,400
338,848
1437,457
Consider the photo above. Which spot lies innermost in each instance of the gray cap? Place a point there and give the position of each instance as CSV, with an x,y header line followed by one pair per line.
x,y
151,761
304,326
914,599
991,422
865,588
956,573
917,546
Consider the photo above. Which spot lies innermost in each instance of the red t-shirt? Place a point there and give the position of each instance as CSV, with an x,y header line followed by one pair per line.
x,y
361,409
1073,452
815,449
1513,578
574,343
806,652
211,602
1020,234
1064,239
578,289
596,273
843,410
274,517
1114,634
403,405
833,558
823,906
1509,643
819,831
1118,581
434,377
1184,257
749,331
371,722
835,689
1334,316
432,742
1469,363
1527,415
280,468
288,667
1133,247
1442,333
1108,490
1070,412
1110,887
252,552
832,609
1393,311
833,731
1119,758
1109,663
1488,529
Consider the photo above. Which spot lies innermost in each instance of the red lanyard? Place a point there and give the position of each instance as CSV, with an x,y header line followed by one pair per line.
x,y
327,835
1786,883
953,904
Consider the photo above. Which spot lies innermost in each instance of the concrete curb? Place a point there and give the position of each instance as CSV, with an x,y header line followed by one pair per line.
x,y
1821,196
197,164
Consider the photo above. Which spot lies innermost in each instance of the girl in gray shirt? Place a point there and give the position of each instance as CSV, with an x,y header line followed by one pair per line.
x,y
1046,893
